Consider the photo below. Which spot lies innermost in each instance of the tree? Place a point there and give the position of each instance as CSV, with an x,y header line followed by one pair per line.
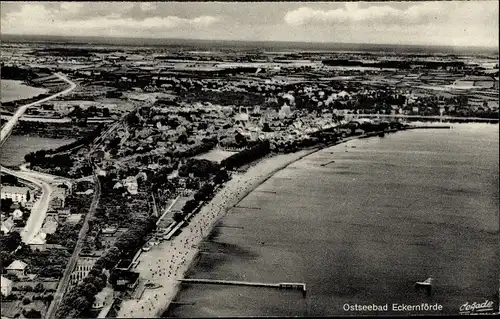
x,y
26,300
178,217
10,241
28,196
39,287
32,313
5,204
9,179
105,112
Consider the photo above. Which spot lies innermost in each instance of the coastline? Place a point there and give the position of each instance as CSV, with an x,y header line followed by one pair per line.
x,y
183,248
35,91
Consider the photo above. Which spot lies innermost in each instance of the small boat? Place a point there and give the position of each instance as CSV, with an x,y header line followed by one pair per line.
x,y
426,283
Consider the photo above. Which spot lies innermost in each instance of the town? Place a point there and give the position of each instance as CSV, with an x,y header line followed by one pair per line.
x,y
158,131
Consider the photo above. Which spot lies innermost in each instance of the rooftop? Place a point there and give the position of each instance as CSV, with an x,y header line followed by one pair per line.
x,y
14,189
17,265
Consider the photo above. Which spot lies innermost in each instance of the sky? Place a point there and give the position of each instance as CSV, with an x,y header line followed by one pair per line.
x,y
454,23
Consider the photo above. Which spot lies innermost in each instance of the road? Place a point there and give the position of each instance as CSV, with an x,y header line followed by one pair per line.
x,y
39,210
7,128
28,118
43,176
63,283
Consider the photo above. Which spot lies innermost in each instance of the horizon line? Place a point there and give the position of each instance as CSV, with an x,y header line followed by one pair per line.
x,y
248,41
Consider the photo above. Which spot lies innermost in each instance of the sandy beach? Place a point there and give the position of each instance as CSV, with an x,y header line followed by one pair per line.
x,y
166,263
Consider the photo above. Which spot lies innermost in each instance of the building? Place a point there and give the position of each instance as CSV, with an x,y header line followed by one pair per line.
x,y
17,268
38,242
17,214
7,225
50,225
17,194
58,198
125,280
74,219
83,267
7,285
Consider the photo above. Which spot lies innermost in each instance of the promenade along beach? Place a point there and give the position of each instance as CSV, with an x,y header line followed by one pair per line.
x,y
358,222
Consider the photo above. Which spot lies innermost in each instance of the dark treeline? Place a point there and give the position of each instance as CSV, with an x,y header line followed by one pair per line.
x,y
15,73
198,149
81,297
40,156
67,52
246,156
394,64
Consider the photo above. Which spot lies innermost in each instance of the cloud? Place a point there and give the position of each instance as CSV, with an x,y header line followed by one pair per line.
x,y
147,6
67,19
421,13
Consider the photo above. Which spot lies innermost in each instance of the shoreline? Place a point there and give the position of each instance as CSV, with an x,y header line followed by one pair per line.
x,y
183,249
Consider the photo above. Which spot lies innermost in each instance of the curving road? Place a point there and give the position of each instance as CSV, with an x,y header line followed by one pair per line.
x,y
40,207
39,210
7,128
49,178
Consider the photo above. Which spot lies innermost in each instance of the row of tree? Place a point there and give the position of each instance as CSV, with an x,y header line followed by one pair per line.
x,y
205,193
81,297
200,168
250,154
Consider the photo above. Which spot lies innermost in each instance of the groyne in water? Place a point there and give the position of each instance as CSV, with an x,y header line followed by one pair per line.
x,y
283,285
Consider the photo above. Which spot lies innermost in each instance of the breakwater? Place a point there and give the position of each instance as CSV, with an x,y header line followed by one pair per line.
x,y
284,285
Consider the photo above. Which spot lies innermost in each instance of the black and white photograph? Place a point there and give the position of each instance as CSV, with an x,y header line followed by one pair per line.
x,y
187,159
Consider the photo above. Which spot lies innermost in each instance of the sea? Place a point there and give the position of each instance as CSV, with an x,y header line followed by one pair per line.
x,y
17,146
205,45
360,223
12,90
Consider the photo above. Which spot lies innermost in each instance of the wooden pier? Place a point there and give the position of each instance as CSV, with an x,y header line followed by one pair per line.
x,y
283,285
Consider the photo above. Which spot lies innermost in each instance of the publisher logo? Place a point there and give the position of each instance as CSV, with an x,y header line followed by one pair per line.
x,y
476,307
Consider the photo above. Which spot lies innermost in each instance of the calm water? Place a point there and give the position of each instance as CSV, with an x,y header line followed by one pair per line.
x,y
12,90
16,146
387,213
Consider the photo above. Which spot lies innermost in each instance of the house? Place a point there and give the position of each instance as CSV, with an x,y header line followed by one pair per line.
x,y
109,231
83,267
17,214
17,268
58,198
50,225
63,214
131,184
74,219
7,225
38,242
124,265
7,285
125,280
17,194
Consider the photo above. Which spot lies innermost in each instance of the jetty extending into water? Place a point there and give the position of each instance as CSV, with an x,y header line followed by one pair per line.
x,y
283,285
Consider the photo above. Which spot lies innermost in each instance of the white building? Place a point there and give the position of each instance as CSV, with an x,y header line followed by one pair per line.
x,y
6,286
17,194
38,242
17,268
17,214
7,225
83,267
